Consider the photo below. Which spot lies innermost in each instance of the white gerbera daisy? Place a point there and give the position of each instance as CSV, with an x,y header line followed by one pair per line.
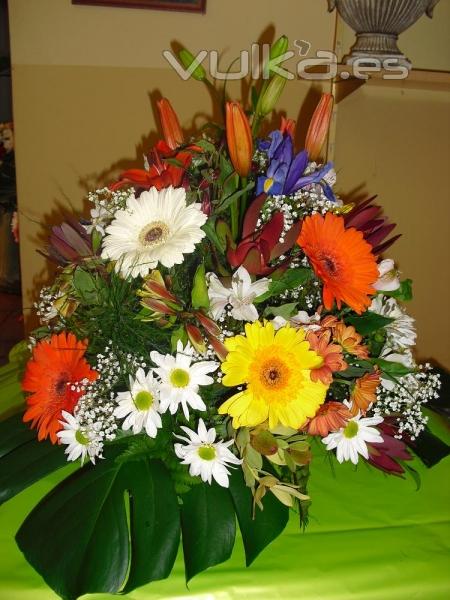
x,y
180,380
155,228
240,296
204,455
81,442
350,441
140,405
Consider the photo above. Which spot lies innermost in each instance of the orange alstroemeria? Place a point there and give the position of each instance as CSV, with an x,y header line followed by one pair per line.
x,y
239,138
331,416
364,392
350,340
331,355
318,128
170,125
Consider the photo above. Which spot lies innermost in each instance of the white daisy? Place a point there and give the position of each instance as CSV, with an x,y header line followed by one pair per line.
x,y
155,228
350,441
180,380
140,405
205,457
401,332
81,442
240,296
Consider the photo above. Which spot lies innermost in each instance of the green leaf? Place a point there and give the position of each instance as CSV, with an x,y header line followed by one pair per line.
x,y
85,284
368,322
285,310
199,294
96,545
228,200
429,448
209,527
257,533
394,369
27,464
289,280
404,292
14,433
209,229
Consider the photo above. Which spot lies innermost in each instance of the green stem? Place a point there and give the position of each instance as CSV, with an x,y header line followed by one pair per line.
x,y
242,202
234,214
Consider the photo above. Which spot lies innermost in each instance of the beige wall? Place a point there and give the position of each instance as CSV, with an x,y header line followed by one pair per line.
x,y
84,80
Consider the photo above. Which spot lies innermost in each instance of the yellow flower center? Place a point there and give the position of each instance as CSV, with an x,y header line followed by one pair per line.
x,y
154,233
351,429
81,438
143,400
179,378
274,374
207,452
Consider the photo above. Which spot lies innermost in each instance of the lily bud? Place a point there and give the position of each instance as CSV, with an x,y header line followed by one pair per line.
x,y
279,47
170,124
270,97
195,337
239,138
318,128
288,126
187,59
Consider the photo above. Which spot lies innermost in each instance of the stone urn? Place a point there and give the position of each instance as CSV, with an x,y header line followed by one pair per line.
x,y
378,23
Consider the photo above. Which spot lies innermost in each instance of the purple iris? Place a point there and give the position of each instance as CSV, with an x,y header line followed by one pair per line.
x,y
285,171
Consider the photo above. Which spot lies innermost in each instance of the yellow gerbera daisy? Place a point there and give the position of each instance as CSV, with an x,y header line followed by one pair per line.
x,y
276,366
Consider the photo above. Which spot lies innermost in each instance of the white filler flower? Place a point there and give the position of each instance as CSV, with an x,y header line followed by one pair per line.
x,y
80,442
180,379
240,296
140,405
350,441
155,228
204,455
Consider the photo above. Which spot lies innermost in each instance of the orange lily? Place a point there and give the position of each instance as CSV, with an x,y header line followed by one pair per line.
x,y
239,138
318,128
170,125
288,126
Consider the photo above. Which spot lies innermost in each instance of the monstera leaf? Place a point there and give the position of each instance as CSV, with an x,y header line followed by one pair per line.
x,y
115,526
107,528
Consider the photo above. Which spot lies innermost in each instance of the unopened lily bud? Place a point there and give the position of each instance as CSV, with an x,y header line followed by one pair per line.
x,y
170,124
318,128
239,138
271,95
279,47
186,59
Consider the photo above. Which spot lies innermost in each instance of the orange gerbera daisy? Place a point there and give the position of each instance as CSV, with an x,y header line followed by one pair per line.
x,y
341,258
331,416
331,355
364,392
56,365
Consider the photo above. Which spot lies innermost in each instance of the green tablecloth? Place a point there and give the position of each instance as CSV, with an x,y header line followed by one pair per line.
x,y
371,536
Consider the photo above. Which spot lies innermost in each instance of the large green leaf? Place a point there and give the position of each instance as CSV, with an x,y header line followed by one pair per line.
x,y
14,433
258,532
209,527
82,539
27,464
368,322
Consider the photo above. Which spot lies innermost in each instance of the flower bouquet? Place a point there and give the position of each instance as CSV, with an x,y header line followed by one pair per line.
x,y
221,317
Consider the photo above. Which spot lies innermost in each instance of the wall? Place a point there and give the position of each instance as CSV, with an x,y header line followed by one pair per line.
x,y
85,79
396,143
